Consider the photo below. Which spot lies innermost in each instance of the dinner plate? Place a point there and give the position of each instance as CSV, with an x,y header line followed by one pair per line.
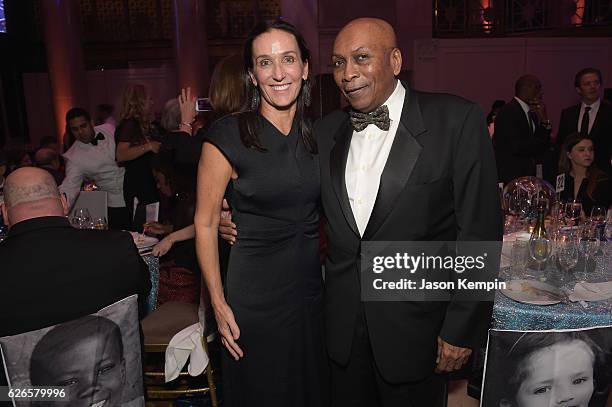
x,y
143,241
533,292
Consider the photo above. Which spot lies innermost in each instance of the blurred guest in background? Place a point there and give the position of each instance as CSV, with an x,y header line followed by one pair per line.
x,y
522,131
498,104
18,158
48,159
591,117
104,115
584,181
179,270
92,156
49,142
135,149
51,287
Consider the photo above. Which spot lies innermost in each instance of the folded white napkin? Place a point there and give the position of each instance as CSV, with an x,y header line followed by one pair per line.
x,y
186,344
591,291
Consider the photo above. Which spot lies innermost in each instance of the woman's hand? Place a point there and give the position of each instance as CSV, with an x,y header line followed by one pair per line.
x,y
228,329
162,247
187,105
158,228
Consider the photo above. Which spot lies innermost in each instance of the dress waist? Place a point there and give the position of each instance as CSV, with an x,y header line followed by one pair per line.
x,y
254,226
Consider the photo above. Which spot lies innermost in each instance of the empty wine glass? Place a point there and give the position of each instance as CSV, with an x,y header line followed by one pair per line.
x,y
573,211
598,214
81,218
567,252
589,244
540,250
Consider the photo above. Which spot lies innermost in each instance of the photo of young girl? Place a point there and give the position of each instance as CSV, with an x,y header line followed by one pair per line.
x,y
548,368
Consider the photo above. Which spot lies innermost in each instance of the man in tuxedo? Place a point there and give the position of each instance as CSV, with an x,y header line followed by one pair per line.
x,y
522,133
402,165
92,156
52,272
591,117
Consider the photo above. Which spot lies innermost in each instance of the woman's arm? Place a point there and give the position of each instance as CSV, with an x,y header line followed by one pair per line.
x,y
126,152
214,173
161,248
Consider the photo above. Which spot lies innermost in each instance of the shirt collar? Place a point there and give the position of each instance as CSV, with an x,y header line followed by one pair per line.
x,y
594,105
42,222
524,105
395,102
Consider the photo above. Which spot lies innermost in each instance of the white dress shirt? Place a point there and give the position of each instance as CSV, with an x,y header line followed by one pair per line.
x,y
96,163
367,157
592,114
526,109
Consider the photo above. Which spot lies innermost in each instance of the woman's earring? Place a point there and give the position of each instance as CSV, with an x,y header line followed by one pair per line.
x,y
306,92
255,100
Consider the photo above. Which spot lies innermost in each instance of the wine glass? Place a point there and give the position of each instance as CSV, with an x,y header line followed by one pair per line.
x,y
572,212
519,255
100,223
82,218
540,250
567,252
589,244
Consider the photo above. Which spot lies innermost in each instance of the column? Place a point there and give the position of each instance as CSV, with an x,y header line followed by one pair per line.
x,y
190,46
64,59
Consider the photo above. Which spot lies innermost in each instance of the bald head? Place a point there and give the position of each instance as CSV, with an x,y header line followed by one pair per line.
x,y
527,88
366,60
382,31
31,192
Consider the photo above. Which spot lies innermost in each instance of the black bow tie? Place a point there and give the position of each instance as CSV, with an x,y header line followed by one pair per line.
x,y
94,141
379,117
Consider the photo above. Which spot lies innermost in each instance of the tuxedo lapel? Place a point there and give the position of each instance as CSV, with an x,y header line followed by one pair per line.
x,y
337,164
402,158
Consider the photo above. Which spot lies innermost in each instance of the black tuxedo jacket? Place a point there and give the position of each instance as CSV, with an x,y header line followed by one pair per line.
x,y
517,148
439,183
52,273
601,132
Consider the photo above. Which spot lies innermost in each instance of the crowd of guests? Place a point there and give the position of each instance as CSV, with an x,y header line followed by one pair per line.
x,y
276,286
522,136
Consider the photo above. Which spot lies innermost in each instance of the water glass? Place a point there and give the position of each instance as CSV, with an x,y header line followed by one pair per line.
x,y
589,244
519,256
573,211
100,223
566,249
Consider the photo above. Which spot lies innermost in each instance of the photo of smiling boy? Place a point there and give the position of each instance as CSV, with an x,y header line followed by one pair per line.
x,y
85,357
543,369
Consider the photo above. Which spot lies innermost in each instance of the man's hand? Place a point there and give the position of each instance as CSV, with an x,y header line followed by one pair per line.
x,y
538,106
227,229
450,358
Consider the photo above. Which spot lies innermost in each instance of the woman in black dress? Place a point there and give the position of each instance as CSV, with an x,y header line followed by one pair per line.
x,y
135,148
270,314
584,182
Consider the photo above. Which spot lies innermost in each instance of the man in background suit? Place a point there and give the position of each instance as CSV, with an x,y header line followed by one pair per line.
x,y
401,166
598,122
522,132
52,272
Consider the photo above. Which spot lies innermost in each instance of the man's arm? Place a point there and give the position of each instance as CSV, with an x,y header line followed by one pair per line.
x,y
479,218
72,182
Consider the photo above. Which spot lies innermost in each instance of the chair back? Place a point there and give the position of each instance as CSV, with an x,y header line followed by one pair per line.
x,y
96,203
108,340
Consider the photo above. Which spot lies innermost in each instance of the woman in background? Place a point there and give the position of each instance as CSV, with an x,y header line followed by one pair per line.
x,y
135,148
584,182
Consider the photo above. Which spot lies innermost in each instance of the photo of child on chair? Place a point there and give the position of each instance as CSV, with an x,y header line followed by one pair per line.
x,y
548,368
96,359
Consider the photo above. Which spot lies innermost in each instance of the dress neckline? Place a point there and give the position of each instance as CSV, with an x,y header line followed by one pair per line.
x,y
291,131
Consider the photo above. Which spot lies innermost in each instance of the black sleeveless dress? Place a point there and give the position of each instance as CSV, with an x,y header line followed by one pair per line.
x,y
274,283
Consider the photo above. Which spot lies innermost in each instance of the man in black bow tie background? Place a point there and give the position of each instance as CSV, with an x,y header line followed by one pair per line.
x,y
92,156
402,166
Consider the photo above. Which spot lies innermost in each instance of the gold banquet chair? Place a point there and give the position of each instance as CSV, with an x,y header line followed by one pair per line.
x,y
158,329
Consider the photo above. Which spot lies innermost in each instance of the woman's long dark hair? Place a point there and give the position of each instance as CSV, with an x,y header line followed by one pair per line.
x,y
248,121
594,174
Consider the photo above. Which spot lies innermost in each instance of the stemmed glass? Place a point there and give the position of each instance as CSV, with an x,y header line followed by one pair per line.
x,y
566,249
81,218
540,250
598,214
572,212
589,244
